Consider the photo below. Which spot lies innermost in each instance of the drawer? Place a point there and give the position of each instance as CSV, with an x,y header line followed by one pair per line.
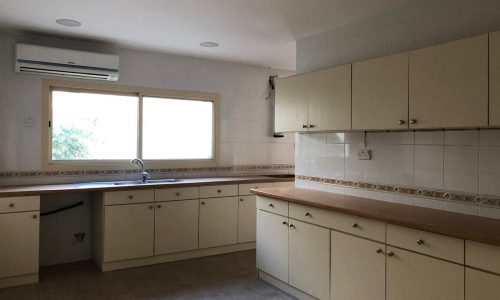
x,y
482,256
284,184
176,194
244,189
432,244
129,197
213,191
17,204
276,206
354,225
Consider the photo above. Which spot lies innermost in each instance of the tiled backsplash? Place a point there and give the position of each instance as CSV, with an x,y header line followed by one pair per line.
x,y
456,170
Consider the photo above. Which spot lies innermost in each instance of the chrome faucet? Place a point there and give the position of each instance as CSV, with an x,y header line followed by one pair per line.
x,y
144,175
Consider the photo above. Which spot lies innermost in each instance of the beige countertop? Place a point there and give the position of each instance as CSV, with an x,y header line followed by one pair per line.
x,y
28,190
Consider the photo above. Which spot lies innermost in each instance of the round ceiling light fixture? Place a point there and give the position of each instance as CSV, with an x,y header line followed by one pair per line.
x,y
209,44
68,22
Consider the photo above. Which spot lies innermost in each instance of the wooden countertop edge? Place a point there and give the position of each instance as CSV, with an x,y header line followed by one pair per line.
x,y
32,190
462,226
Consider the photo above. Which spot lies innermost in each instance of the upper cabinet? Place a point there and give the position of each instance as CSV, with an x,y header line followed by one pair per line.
x,y
449,84
316,101
380,93
495,79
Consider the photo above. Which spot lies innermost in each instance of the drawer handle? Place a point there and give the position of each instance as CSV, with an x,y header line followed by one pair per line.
x,y
379,250
420,241
271,205
241,200
158,206
292,226
219,191
355,225
390,253
285,223
130,197
177,194
151,207
11,205
202,202
308,214
35,216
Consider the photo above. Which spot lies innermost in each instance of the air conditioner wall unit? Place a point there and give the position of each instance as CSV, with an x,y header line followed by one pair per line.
x,y
67,63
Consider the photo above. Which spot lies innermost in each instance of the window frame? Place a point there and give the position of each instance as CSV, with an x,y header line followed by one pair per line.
x,y
49,85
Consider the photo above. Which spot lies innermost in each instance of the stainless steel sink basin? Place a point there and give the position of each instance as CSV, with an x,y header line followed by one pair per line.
x,y
131,182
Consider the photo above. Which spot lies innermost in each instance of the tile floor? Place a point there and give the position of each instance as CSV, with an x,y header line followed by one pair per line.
x,y
228,276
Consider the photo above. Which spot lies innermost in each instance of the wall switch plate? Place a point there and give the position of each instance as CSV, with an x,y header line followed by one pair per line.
x,y
29,122
364,153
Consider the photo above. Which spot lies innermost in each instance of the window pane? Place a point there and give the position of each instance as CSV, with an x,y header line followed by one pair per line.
x,y
88,126
177,129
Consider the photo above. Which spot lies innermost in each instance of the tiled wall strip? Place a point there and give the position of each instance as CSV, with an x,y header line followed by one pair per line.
x,y
474,199
12,174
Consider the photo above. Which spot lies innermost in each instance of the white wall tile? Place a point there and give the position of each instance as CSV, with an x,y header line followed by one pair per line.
x,y
377,138
429,164
429,137
489,137
354,137
461,208
335,138
489,170
335,160
461,137
354,168
401,165
428,203
377,169
317,159
401,138
461,168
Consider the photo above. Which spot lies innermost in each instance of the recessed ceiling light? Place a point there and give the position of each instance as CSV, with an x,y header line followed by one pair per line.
x,y
68,22
209,44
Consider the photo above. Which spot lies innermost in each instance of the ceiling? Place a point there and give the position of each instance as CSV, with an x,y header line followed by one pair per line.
x,y
259,32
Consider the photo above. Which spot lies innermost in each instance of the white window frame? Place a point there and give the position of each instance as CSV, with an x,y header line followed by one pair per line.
x,y
66,85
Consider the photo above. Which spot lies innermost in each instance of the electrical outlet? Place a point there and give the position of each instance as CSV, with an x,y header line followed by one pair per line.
x,y
364,153
29,122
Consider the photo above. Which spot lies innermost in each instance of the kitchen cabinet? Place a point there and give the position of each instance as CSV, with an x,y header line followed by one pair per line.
x,y
356,261
19,243
309,258
448,84
291,104
494,79
176,226
272,244
480,285
218,222
246,219
315,101
380,93
414,276
128,231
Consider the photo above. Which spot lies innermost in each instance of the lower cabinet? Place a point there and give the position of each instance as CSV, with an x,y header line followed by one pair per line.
x,y
413,276
357,268
309,258
246,219
176,226
19,240
480,285
272,244
128,231
218,222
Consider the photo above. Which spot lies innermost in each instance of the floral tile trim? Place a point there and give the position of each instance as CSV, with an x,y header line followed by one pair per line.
x,y
474,199
11,174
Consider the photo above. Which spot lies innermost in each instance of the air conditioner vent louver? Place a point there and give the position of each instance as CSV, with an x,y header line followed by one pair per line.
x,y
66,63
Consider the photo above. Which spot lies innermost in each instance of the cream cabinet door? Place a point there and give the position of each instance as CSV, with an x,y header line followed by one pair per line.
x,y
247,216
309,258
413,276
354,262
329,94
290,108
128,231
272,244
494,79
19,243
218,222
449,84
176,226
380,93
481,285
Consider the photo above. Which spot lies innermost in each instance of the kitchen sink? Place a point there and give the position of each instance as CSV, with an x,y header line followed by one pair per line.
x,y
130,182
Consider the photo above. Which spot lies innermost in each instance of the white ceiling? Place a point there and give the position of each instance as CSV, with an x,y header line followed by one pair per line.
x,y
261,32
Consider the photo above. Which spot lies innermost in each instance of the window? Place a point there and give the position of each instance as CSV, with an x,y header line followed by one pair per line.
x,y
92,126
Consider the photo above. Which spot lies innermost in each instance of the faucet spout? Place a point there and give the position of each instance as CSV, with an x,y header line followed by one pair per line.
x,y
144,175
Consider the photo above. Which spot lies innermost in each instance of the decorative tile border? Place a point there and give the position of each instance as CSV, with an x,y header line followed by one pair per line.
x,y
242,168
474,199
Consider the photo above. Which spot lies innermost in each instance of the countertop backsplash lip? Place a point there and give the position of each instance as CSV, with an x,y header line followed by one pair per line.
x,y
443,195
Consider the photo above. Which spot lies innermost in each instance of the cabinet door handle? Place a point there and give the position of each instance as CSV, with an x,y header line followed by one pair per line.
x,y
35,216
241,200
151,207
304,126
390,253
292,226
177,194
379,250
308,214
219,191
159,205
355,225
420,242
11,205
285,223
413,121
271,205
312,126
401,122
202,202
130,197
